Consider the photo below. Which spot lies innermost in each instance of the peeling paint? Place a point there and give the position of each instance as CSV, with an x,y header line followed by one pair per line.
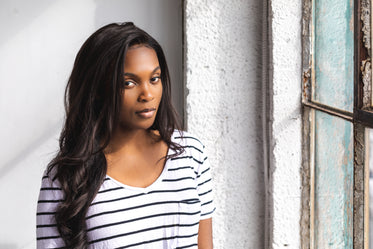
x,y
306,84
333,182
306,50
366,71
307,47
359,186
343,165
365,18
305,222
334,54
333,87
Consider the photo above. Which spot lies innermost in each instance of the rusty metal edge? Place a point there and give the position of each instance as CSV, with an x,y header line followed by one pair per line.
x,y
306,226
307,50
306,176
359,193
360,196
366,190
362,79
362,41
366,100
330,110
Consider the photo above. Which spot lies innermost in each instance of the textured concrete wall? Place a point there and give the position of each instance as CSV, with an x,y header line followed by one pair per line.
x,y
224,106
285,123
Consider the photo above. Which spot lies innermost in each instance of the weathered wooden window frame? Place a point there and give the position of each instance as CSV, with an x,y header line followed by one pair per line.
x,y
361,117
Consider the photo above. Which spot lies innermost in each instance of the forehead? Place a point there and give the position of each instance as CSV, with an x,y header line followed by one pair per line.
x,y
140,58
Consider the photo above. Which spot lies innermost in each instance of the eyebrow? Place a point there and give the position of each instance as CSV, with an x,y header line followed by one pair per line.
x,y
134,75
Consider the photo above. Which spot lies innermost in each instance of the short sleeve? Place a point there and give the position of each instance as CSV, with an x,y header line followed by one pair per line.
x,y
204,188
50,196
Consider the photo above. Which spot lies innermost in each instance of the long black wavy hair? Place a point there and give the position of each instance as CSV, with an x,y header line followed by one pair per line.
x,y
92,103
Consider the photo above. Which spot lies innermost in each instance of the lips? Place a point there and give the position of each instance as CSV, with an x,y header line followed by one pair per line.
x,y
146,113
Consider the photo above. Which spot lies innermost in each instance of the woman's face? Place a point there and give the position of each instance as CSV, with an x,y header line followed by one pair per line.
x,y
142,88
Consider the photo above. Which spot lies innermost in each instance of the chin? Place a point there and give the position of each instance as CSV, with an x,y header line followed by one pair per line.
x,y
143,126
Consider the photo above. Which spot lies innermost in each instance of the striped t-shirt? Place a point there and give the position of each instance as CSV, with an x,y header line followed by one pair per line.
x,y
165,214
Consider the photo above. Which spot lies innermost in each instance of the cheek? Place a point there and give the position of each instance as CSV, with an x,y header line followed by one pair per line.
x,y
160,93
160,96
126,103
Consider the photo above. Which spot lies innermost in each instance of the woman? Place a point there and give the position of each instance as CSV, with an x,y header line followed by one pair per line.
x,y
125,176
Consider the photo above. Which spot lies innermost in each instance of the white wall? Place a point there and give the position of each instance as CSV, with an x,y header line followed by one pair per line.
x,y
39,40
224,107
285,123
224,88
225,46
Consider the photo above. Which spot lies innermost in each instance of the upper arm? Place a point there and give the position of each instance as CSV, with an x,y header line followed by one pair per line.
x,y
205,193
204,187
46,229
205,234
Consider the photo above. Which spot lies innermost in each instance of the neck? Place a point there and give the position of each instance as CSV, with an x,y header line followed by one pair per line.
x,y
129,140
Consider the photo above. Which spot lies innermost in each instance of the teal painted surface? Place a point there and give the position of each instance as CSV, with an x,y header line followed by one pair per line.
x,y
333,182
333,53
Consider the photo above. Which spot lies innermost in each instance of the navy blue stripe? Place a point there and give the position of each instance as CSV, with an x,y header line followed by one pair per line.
x,y
204,182
208,213
108,190
205,171
48,237
206,203
205,193
51,188
48,225
187,157
171,190
187,246
160,239
46,213
141,218
118,199
49,201
188,137
178,179
141,231
193,147
184,167
141,194
135,207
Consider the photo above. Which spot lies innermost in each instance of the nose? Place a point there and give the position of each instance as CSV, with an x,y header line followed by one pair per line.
x,y
145,93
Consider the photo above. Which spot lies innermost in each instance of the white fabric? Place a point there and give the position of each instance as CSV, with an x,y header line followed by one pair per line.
x,y
165,214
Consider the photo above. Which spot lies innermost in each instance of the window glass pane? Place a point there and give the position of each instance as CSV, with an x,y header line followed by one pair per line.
x,y
333,203
333,53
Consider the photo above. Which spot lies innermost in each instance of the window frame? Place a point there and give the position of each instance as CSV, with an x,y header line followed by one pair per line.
x,y
361,118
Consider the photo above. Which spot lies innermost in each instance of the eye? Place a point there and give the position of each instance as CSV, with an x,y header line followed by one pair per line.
x,y
128,84
155,79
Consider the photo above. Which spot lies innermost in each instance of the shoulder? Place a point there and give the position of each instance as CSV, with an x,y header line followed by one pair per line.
x,y
49,179
50,192
193,150
187,140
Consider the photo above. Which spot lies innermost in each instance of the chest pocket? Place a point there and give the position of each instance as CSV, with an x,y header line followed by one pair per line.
x,y
190,212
